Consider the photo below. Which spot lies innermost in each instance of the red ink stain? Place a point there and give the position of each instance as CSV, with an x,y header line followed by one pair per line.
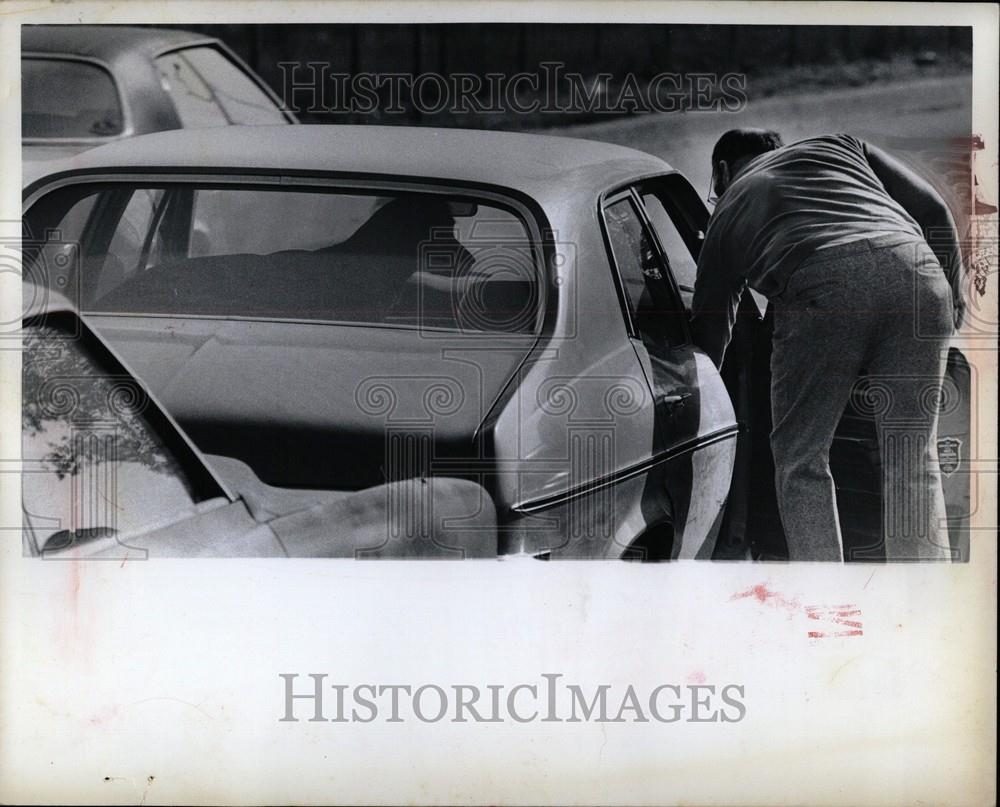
x,y
763,594
841,616
697,677
845,618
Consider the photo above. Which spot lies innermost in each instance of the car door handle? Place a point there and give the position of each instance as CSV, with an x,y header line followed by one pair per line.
x,y
673,400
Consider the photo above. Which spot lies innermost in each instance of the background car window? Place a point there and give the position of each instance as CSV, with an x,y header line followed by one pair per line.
x,y
93,466
650,298
243,101
682,263
68,98
194,100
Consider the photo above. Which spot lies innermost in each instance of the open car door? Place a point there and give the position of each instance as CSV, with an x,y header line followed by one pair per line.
x,y
680,219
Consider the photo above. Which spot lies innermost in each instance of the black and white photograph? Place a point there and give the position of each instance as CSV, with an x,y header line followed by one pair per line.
x,y
707,288
508,334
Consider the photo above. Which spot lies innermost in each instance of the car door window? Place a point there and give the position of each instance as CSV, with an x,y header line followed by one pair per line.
x,y
652,307
679,218
682,262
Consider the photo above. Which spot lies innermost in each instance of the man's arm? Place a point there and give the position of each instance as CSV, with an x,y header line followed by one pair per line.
x,y
930,211
717,290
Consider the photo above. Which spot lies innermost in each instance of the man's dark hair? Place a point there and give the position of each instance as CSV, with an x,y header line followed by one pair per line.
x,y
739,143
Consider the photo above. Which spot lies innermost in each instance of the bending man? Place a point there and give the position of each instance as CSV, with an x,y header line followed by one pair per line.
x,y
834,233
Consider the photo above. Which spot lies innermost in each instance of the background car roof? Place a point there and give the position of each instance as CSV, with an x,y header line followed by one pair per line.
x,y
543,167
104,42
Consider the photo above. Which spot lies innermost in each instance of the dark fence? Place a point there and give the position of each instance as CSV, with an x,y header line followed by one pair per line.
x,y
773,58
645,50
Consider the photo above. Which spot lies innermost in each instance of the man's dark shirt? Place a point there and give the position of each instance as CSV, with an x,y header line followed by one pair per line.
x,y
788,204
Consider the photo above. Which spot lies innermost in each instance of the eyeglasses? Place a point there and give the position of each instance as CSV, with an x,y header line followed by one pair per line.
x,y
712,197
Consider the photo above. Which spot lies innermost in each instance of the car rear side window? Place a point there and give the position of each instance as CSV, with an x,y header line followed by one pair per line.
x,y
406,259
652,306
68,99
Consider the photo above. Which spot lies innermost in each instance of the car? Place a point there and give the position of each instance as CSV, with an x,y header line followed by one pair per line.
x,y
108,474
339,307
85,85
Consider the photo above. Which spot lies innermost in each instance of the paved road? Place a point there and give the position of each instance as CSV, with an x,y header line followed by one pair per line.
x,y
915,119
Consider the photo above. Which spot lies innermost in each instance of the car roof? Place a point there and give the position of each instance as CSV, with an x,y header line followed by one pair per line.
x,y
540,166
105,42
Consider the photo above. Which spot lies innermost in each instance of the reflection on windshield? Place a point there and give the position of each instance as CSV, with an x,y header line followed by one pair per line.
x,y
92,465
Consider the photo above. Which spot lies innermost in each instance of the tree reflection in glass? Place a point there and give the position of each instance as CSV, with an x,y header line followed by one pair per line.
x,y
93,467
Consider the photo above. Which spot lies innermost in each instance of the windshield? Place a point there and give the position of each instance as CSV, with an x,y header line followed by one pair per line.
x,y
68,99
93,467
373,258
209,90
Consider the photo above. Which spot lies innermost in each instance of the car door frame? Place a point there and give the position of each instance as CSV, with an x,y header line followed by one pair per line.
x,y
611,197
670,350
741,374
681,433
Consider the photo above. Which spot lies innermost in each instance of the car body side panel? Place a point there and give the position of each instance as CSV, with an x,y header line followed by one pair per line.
x,y
582,409
600,523
580,458
562,435
712,463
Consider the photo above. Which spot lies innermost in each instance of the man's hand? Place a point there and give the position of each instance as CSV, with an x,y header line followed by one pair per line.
x,y
717,292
